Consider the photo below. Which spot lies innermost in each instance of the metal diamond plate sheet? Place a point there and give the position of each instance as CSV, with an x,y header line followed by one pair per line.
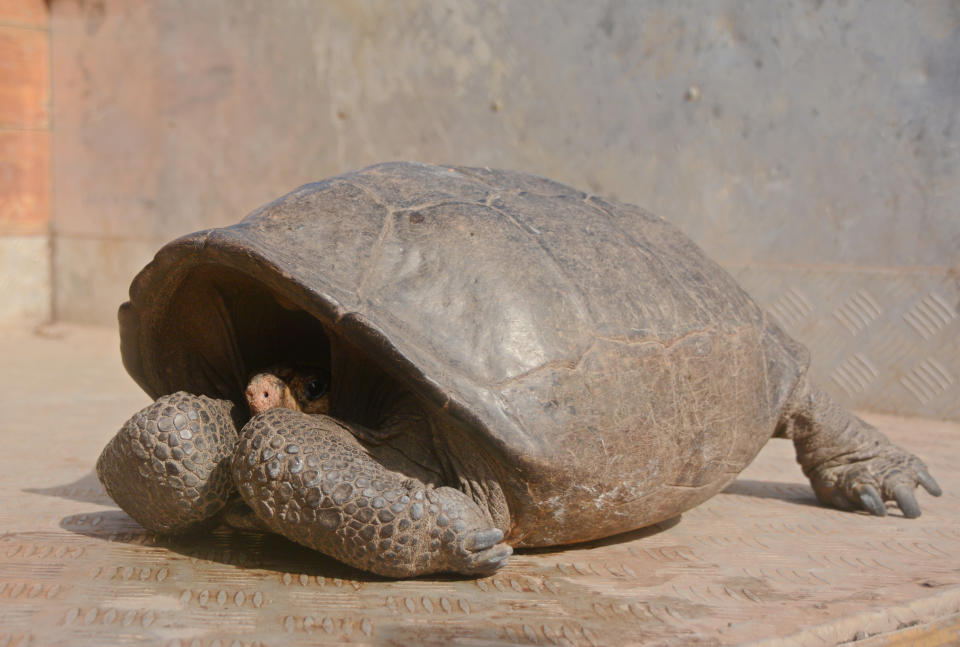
x,y
760,562
880,340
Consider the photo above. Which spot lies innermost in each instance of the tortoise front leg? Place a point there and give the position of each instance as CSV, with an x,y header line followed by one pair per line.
x,y
169,465
308,478
850,464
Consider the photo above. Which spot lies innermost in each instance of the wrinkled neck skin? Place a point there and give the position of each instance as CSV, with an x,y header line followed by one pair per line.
x,y
401,433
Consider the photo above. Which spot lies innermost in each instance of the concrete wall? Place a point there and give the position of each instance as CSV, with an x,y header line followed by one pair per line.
x,y
812,148
24,161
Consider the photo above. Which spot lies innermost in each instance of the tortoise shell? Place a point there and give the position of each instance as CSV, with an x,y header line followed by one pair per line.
x,y
615,374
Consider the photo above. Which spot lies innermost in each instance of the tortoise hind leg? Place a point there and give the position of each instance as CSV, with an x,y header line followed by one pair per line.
x,y
169,465
850,464
309,479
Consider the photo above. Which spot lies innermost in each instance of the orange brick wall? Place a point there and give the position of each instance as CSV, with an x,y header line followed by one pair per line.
x,y
25,175
24,117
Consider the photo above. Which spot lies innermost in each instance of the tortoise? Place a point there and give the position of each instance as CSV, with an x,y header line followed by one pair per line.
x,y
503,362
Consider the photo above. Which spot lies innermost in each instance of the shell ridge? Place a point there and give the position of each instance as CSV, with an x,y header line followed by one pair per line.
x,y
440,203
373,195
666,344
386,229
561,364
647,257
580,301
295,193
468,172
598,202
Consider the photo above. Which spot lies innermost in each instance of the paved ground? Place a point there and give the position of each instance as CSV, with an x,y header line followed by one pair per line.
x,y
759,562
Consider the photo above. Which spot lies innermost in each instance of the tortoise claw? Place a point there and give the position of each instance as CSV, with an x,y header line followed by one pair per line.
x,y
929,483
903,494
872,501
486,554
489,560
483,539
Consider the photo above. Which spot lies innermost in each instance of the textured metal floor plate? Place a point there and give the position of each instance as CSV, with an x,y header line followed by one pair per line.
x,y
760,562
880,340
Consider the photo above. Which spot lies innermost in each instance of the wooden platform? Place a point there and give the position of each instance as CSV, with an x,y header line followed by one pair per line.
x,y
761,563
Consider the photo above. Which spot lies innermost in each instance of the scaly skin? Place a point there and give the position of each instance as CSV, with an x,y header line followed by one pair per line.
x,y
304,476
307,478
169,465
850,464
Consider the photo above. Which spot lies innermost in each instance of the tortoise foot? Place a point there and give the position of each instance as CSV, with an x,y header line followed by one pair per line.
x,y
168,467
309,479
461,539
889,473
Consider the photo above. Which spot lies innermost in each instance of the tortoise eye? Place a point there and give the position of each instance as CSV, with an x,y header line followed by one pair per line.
x,y
315,389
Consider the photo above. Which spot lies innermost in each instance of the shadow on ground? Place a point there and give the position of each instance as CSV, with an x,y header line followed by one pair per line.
x,y
799,493
223,545
255,550
86,489
248,549
796,493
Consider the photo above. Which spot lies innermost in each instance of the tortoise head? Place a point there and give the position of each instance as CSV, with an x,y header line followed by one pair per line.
x,y
302,388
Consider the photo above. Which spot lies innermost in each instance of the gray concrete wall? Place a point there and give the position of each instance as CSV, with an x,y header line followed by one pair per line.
x,y
812,148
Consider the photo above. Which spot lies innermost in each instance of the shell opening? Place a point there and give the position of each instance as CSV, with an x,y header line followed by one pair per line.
x,y
216,328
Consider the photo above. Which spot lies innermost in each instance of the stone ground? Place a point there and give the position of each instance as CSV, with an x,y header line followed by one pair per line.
x,y
760,563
